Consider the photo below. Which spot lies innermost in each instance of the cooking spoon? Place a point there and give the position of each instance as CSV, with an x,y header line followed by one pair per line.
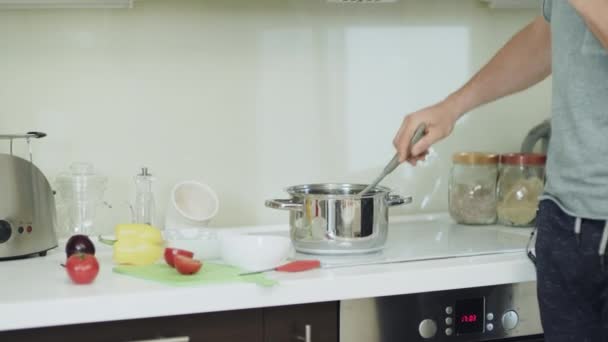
x,y
392,165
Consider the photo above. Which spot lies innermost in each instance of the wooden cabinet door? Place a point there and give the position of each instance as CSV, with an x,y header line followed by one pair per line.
x,y
289,323
231,326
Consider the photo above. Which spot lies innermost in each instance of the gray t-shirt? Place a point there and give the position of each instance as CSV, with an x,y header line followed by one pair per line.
x,y
577,161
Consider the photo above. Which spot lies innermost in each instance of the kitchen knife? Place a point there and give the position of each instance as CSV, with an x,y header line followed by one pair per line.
x,y
294,266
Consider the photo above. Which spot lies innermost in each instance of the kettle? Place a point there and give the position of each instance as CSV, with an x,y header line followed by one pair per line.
x,y
539,133
27,205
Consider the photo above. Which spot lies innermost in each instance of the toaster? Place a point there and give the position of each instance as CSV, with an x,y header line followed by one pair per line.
x,y
27,205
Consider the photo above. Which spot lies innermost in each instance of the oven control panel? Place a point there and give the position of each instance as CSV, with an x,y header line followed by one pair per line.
x,y
477,314
468,317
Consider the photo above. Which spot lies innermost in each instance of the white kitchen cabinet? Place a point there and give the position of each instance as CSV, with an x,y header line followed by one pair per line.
x,y
64,4
510,4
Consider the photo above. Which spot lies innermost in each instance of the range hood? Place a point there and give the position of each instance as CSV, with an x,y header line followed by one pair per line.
x,y
506,4
64,4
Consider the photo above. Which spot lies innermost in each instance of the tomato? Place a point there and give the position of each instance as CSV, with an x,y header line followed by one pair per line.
x,y
82,268
185,265
170,254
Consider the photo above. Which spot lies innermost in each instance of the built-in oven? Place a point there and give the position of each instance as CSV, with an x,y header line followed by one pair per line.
x,y
491,313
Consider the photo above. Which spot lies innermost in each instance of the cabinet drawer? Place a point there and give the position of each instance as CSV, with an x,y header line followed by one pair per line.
x,y
232,326
289,323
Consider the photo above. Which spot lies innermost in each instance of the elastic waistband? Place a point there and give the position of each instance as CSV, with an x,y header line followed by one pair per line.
x,y
548,196
557,209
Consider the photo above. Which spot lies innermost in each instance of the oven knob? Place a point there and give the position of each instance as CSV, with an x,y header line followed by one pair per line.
x,y
5,231
510,319
427,328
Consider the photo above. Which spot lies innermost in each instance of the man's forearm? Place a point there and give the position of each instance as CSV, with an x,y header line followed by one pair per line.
x,y
524,61
595,14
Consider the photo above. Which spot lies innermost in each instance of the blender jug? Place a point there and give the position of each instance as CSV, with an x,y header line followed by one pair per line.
x,y
80,191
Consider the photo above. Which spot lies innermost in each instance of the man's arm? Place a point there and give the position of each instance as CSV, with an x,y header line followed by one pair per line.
x,y
524,61
595,14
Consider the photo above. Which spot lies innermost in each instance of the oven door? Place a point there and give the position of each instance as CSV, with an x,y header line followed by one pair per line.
x,y
504,313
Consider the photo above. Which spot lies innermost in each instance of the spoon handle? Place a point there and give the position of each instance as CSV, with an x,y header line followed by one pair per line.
x,y
418,134
392,165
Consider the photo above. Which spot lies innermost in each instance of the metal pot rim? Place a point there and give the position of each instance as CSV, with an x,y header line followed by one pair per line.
x,y
303,190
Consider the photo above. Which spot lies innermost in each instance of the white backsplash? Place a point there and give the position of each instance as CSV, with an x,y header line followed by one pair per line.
x,y
252,96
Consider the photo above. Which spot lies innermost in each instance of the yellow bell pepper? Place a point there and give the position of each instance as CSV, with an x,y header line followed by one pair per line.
x,y
136,244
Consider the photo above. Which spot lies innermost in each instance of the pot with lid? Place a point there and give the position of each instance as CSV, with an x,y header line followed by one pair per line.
x,y
333,219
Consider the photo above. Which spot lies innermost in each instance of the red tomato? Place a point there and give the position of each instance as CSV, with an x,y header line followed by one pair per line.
x,y
185,265
82,268
170,254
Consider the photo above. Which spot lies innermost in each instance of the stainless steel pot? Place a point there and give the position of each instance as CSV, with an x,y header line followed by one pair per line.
x,y
332,219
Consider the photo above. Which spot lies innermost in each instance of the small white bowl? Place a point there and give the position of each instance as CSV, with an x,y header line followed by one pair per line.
x,y
204,244
254,252
191,204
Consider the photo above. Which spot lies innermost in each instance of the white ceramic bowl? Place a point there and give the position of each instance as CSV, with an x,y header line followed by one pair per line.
x,y
191,204
254,252
205,244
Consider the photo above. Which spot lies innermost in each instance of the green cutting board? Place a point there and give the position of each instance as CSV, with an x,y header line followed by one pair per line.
x,y
209,274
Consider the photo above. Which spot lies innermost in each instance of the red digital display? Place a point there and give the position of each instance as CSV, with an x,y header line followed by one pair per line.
x,y
469,316
468,319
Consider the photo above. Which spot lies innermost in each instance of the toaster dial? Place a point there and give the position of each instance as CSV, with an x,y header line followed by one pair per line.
x,y
5,231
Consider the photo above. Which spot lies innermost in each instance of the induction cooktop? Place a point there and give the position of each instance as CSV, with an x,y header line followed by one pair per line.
x,y
436,237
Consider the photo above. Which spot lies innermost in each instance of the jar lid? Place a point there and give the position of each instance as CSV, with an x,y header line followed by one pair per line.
x,y
81,179
475,158
523,159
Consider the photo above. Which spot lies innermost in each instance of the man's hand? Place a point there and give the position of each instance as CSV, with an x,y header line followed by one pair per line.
x,y
524,61
595,14
439,120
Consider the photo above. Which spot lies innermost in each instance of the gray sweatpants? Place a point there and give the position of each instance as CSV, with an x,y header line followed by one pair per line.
x,y
572,287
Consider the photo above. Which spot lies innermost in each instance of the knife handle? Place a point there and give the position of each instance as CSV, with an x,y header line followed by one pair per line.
x,y
299,266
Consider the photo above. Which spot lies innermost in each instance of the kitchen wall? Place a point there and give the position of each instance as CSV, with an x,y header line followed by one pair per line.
x,y
252,96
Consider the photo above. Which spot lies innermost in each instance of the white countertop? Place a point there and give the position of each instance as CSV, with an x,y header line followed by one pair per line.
x,y
37,292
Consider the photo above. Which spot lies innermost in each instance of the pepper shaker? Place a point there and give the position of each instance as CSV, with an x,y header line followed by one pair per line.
x,y
144,206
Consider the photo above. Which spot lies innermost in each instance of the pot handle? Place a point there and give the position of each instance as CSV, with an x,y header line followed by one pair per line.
x,y
284,204
395,200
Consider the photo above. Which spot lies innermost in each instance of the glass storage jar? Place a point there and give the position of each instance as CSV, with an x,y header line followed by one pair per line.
x,y
472,188
520,182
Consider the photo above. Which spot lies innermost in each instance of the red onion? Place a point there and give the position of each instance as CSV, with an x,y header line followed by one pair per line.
x,y
79,244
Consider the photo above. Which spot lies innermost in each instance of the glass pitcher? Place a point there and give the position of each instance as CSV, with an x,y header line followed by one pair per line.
x,y
79,192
